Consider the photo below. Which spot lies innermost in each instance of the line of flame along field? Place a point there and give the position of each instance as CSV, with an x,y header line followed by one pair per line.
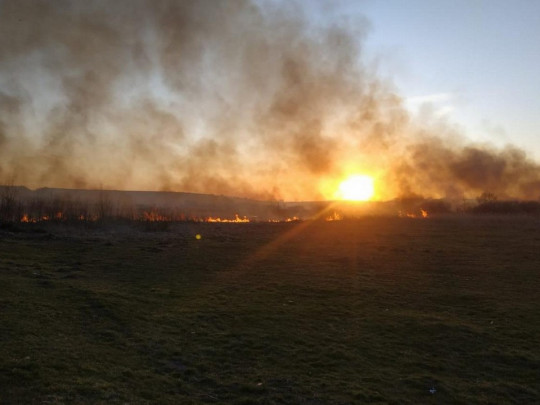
x,y
150,216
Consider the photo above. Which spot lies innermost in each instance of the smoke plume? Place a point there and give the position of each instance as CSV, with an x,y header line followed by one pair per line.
x,y
247,98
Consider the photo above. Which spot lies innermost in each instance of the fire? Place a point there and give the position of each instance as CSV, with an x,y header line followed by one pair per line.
x,y
25,218
236,219
358,187
404,214
152,216
334,217
293,219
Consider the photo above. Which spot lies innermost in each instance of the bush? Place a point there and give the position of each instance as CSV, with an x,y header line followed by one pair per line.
x,y
507,207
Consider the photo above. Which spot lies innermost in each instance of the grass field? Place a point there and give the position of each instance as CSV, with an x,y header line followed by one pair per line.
x,y
375,310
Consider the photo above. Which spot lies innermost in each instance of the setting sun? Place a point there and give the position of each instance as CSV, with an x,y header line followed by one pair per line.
x,y
356,188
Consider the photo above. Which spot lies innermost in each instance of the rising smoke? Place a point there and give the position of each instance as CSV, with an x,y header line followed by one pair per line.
x,y
247,98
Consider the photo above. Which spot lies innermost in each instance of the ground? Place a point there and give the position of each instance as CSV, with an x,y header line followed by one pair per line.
x,y
375,310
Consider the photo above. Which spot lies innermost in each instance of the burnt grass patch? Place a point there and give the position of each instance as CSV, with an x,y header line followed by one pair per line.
x,y
374,310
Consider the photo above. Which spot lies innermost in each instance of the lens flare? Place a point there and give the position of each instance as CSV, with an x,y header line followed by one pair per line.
x,y
358,187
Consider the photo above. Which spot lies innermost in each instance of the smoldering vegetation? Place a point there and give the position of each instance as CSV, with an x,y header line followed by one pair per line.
x,y
240,97
21,205
156,210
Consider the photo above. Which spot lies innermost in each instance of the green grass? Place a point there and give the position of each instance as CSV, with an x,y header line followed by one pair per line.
x,y
377,310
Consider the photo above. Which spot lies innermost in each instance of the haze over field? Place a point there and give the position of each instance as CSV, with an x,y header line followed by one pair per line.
x,y
249,98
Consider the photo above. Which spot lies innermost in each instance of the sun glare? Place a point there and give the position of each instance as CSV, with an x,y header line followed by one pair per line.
x,y
358,187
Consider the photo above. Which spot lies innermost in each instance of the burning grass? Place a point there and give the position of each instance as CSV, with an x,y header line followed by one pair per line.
x,y
365,311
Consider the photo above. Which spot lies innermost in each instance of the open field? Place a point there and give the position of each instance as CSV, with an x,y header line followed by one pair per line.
x,y
374,310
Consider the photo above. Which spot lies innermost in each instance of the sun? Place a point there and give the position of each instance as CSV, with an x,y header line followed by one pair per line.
x,y
358,187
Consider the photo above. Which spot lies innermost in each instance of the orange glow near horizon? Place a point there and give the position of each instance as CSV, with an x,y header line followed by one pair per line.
x,y
357,187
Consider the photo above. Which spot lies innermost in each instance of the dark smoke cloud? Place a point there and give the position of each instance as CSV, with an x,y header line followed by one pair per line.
x,y
238,97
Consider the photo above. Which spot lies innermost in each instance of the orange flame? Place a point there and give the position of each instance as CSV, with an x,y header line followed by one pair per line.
x,y
25,218
152,216
293,219
334,217
404,214
236,219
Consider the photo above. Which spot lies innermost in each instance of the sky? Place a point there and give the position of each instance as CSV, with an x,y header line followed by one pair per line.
x,y
476,62
271,99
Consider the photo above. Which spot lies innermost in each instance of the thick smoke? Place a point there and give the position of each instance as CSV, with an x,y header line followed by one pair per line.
x,y
247,98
